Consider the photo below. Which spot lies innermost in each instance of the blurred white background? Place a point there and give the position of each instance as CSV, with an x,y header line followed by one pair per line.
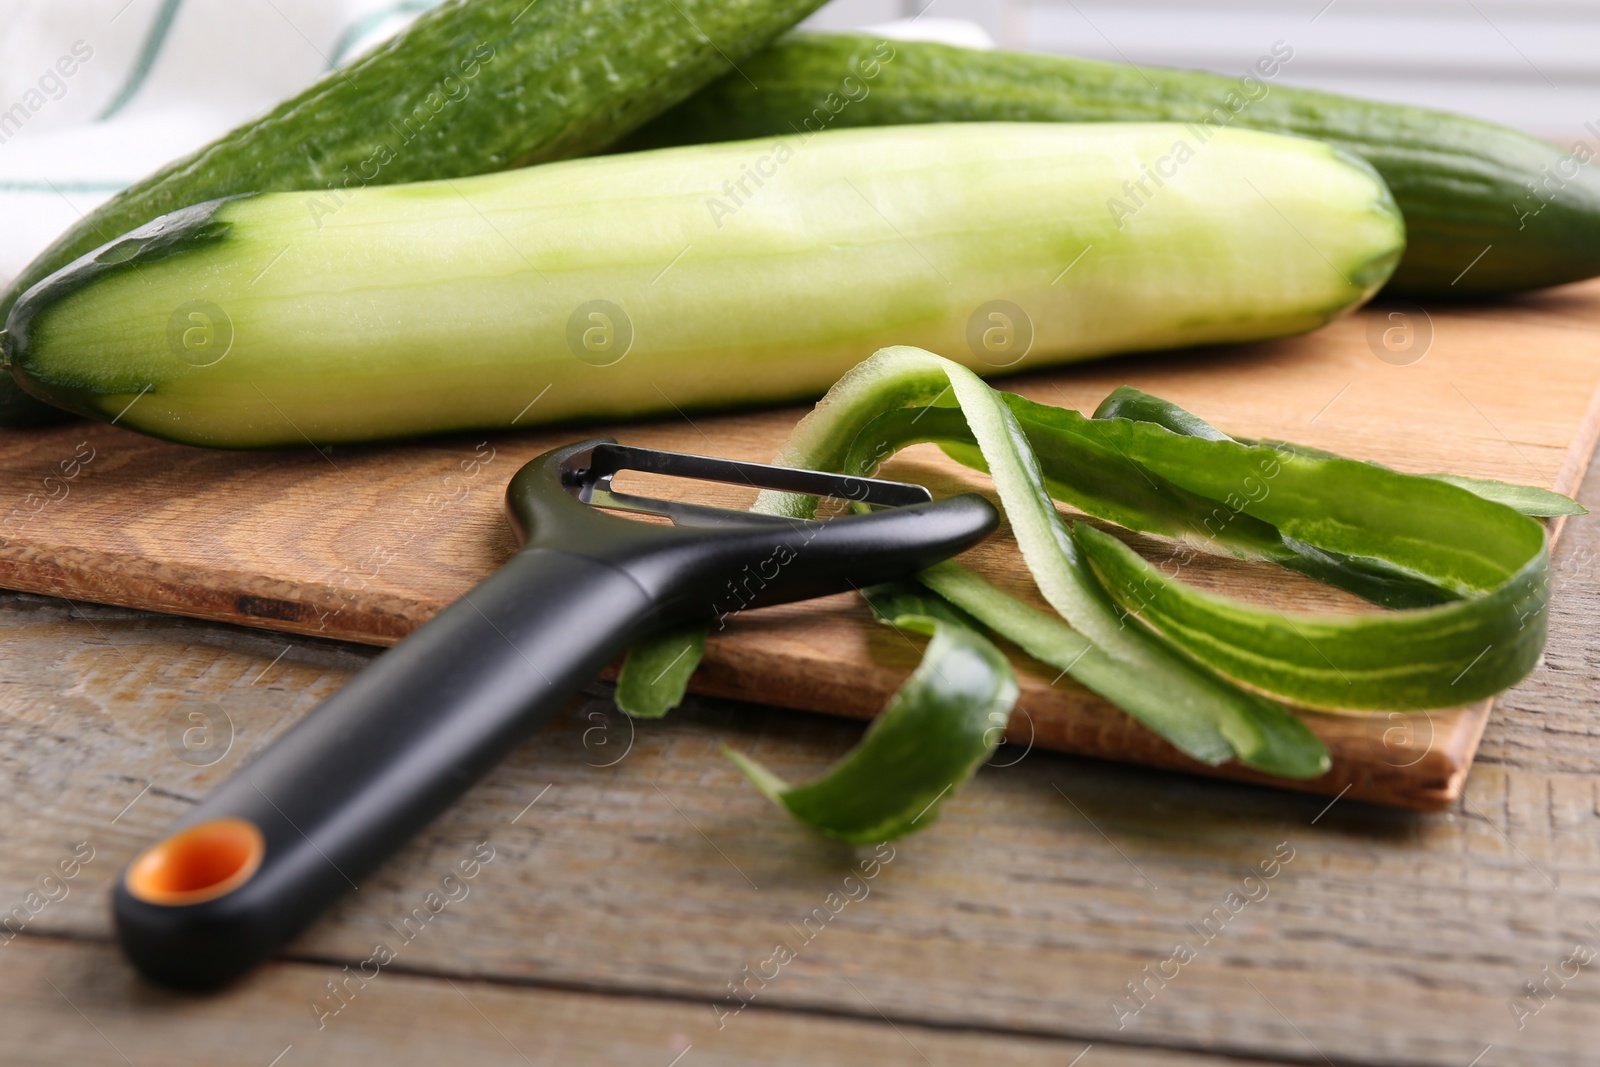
x,y
153,79
1532,64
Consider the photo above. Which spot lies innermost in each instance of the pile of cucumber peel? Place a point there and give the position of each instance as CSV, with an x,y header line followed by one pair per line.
x,y
520,213
1465,563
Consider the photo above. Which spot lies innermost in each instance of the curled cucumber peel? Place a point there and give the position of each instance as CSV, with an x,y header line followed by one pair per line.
x,y
942,723
1465,562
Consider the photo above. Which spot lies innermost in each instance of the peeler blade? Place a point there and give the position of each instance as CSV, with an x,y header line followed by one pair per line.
x,y
589,477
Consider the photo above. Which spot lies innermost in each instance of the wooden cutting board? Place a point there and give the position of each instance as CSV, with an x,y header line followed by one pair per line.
x,y
364,544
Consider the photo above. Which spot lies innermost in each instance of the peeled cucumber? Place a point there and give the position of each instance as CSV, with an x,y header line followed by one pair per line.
x,y
1488,209
470,87
700,277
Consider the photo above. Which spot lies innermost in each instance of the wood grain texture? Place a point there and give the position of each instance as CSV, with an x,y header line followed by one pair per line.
x,y
71,1002
618,909
364,544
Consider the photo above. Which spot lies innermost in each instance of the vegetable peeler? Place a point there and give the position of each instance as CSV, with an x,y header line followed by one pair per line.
x,y
324,805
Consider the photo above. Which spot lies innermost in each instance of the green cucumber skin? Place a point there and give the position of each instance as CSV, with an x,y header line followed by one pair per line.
x,y
445,306
565,79
1461,184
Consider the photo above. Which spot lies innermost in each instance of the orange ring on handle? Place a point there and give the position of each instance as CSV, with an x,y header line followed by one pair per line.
x,y
200,863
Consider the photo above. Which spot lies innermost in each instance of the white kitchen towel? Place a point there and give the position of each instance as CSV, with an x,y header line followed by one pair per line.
x,y
95,94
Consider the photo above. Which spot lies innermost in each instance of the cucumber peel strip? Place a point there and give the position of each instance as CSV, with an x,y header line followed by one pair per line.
x,y
1464,554
943,722
1125,663
656,673
1129,403
1483,565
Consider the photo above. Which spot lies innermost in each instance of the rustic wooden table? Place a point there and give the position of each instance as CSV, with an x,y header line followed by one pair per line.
x,y
1063,911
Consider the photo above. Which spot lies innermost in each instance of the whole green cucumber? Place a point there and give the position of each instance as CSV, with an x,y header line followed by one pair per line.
x,y
471,87
1488,210
643,284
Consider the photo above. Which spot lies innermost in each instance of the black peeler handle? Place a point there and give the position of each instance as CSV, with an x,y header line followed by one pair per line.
x,y
317,811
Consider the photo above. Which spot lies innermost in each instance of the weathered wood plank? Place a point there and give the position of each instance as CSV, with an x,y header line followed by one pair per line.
x,y
1388,937
69,1002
